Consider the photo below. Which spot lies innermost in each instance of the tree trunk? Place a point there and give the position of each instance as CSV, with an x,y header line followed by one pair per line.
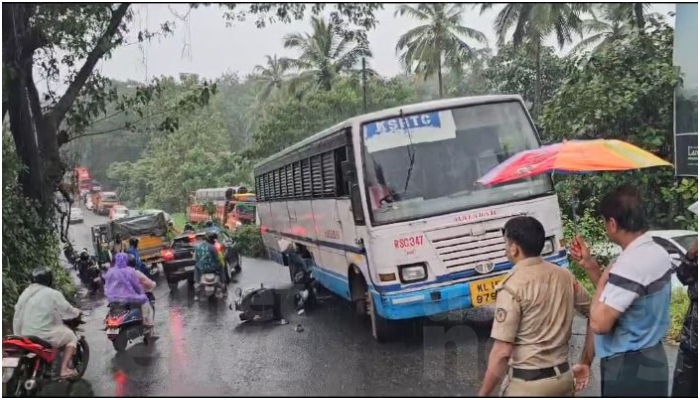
x,y
25,140
639,16
439,71
538,80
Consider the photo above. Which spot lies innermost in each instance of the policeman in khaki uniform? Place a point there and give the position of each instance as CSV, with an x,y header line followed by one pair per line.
x,y
532,324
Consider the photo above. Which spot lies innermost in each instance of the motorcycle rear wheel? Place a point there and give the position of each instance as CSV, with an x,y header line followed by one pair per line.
x,y
120,341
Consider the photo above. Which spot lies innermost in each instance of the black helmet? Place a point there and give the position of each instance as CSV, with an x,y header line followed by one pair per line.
x,y
84,255
43,276
131,260
134,241
211,237
209,224
188,227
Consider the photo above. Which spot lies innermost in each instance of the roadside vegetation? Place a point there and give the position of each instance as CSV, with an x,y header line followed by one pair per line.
x,y
155,143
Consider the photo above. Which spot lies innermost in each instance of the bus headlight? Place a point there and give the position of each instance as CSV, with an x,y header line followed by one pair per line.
x,y
548,247
412,273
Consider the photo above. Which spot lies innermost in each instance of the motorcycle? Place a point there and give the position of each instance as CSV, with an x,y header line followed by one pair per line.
x,y
124,323
71,255
94,278
29,363
210,285
258,304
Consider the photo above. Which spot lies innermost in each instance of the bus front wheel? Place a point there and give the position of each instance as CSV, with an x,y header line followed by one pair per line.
x,y
383,329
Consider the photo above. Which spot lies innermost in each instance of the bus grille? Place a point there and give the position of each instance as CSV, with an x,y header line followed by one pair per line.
x,y
464,251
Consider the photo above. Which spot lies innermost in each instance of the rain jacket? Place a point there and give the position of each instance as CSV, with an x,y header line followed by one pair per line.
x,y
207,258
122,283
40,311
140,266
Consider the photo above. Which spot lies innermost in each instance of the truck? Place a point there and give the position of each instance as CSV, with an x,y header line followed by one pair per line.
x,y
151,230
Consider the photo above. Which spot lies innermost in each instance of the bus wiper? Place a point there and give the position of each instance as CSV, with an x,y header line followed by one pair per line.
x,y
411,152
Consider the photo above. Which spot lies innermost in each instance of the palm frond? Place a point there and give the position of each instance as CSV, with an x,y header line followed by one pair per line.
x,y
413,12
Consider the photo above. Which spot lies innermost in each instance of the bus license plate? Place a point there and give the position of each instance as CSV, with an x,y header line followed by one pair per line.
x,y
483,292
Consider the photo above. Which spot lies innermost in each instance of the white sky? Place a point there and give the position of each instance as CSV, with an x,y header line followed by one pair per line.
x,y
205,46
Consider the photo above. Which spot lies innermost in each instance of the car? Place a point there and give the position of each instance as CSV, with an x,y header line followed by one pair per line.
x,y
76,215
676,242
178,258
118,211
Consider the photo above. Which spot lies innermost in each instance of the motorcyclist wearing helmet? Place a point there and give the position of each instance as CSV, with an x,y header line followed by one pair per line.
x,y
188,228
133,250
148,286
208,259
209,225
40,311
84,263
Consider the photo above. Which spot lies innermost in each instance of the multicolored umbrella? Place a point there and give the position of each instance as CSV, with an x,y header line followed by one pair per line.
x,y
572,157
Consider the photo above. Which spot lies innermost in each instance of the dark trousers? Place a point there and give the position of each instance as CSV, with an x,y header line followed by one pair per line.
x,y
641,373
685,376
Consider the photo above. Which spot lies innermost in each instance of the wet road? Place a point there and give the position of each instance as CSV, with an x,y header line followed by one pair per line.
x,y
204,350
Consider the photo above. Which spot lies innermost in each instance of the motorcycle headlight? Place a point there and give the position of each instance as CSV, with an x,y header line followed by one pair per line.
x,y
548,247
412,273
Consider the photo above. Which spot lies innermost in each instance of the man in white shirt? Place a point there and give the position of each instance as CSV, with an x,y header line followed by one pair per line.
x,y
630,311
40,311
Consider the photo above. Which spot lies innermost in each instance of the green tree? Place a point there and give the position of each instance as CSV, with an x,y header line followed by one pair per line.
x,y
514,71
625,91
296,119
271,77
532,23
325,54
439,42
616,21
633,14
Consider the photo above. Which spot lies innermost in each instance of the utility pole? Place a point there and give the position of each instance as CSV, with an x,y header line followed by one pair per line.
x,y
364,84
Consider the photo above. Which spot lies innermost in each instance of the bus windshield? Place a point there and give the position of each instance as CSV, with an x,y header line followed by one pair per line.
x,y
422,165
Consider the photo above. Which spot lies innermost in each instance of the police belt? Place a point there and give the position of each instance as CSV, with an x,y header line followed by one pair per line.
x,y
542,373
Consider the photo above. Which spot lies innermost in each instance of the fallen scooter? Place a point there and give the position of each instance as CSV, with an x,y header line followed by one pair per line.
x,y
259,304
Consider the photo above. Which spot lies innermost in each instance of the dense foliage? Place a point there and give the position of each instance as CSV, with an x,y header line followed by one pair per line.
x,y
624,91
28,240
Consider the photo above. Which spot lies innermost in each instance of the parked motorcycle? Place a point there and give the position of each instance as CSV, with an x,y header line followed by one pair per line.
x,y
29,363
124,323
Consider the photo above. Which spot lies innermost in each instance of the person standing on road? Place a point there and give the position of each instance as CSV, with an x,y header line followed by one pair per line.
x,y
535,306
630,311
685,377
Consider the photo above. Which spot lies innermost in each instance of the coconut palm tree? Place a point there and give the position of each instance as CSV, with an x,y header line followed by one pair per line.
x,y
616,20
438,42
326,53
631,13
272,76
532,23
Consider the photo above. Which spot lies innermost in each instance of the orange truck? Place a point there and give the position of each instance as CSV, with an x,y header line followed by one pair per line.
x,y
241,206
105,201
